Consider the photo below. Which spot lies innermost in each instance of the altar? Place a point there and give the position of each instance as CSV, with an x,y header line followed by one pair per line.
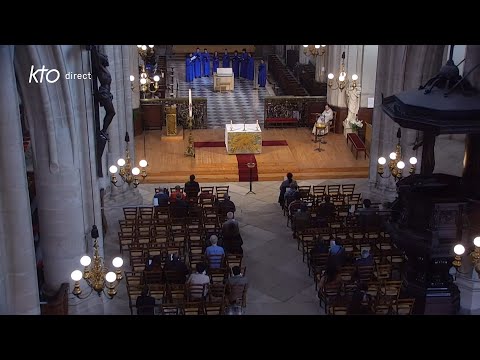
x,y
243,139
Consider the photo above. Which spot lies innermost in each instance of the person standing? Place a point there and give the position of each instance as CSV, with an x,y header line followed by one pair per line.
x,y
198,63
205,63
262,74
226,59
250,68
244,64
215,62
236,64
189,68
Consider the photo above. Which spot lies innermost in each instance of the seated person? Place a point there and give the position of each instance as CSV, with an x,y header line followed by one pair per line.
x,y
326,118
178,268
236,279
145,303
214,249
356,306
200,277
366,259
301,219
325,211
161,197
283,188
173,195
179,208
290,193
154,270
368,218
226,205
296,204
192,188
331,276
336,254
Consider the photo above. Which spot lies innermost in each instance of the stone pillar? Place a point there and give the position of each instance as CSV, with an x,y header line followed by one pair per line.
x,y
119,60
320,68
134,64
18,275
368,73
61,123
399,68
303,59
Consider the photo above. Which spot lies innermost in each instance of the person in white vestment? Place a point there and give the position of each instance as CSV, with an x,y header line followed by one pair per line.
x,y
325,118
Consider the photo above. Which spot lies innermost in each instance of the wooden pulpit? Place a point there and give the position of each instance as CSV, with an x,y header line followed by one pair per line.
x,y
171,120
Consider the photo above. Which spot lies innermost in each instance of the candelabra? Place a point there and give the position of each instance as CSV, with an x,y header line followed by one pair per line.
x,y
190,151
342,82
146,51
128,173
96,274
459,250
148,84
396,164
315,50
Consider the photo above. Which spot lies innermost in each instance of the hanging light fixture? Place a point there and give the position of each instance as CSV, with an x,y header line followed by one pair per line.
x,y
314,50
127,172
96,274
342,81
459,250
396,163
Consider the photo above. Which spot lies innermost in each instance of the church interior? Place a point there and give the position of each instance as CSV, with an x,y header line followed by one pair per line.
x,y
240,180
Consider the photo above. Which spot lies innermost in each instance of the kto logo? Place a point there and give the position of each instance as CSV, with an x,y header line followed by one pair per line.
x,y
51,76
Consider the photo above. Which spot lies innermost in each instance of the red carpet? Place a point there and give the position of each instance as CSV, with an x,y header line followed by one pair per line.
x,y
200,144
243,170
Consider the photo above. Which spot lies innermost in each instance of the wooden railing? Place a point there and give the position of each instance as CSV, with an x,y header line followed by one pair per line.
x,y
288,106
199,111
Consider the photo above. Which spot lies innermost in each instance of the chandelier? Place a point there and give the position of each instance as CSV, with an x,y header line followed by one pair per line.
x,y
146,51
149,83
314,50
342,81
96,274
128,173
459,250
396,163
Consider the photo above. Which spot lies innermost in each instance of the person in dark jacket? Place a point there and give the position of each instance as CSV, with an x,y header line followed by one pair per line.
x,y
145,303
192,188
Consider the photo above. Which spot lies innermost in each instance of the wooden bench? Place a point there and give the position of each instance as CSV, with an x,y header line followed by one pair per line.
x,y
357,144
281,122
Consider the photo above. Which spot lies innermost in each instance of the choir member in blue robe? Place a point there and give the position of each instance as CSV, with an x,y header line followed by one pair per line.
x,y
236,64
215,62
226,59
205,63
198,64
251,67
244,64
262,74
189,71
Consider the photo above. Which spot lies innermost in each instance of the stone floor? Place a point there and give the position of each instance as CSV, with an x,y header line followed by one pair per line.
x,y
278,279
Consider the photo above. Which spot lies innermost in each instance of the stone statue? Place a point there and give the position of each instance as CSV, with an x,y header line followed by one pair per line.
x,y
103,94
353,102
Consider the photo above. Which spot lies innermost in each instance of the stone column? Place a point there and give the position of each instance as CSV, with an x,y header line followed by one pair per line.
x,y
119,60
133,68
61,123
399,68
303,59
18,275
320,68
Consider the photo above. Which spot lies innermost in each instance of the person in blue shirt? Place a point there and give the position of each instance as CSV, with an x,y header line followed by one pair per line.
x,y
214,249
244,64
226,59
189,68
250,67
215,62
262,74
198,64
205,63
236,64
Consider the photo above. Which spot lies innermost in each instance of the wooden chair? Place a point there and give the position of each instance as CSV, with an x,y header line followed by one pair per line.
x,y
130,213
221,192
319,190
170,309
404,306
304,191
347,189
333,189
338,310
328,294
193,308
331,126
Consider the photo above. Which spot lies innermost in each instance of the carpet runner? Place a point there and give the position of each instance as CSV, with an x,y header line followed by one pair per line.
x,y
199,144
244,170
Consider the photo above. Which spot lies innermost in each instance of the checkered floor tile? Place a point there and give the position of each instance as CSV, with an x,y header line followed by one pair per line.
x,y
243,104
